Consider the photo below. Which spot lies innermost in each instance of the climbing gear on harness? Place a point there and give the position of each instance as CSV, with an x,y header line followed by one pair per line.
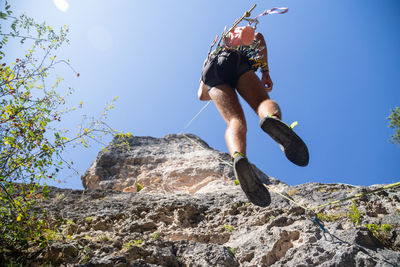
x,y
250,183
275,10
290,143
258,63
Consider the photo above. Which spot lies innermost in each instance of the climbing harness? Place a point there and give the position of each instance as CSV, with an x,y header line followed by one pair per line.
x,y
258,63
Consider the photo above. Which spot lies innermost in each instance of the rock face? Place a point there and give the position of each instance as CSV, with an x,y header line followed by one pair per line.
x,y
112,228
212,228
176,163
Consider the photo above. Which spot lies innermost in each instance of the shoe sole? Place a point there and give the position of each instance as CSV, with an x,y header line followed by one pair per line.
x,y
251,184
290,143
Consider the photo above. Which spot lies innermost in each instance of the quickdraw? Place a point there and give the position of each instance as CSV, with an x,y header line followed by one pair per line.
x,y
275,10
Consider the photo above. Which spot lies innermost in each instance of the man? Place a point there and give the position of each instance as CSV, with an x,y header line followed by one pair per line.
x,y
226,72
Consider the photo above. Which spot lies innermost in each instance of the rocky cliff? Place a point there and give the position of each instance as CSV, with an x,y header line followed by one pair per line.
x,y
173,164
190,213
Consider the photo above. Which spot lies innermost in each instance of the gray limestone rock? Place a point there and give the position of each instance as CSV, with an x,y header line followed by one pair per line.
x,y
186,224
113,228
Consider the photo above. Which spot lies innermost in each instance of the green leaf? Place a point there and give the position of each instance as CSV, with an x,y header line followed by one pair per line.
x,y
14,25
3,15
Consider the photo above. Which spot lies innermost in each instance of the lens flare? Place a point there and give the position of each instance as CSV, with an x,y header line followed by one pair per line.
x,y
61,5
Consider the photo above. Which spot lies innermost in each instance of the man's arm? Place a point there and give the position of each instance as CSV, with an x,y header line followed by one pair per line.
x,y
266,79
202,93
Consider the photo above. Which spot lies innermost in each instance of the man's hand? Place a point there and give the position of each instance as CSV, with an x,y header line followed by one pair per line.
x,y
266,81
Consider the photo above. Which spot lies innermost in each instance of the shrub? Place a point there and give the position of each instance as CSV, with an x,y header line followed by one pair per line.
x,y
381,232
328,217
229,228
394,123
156,235
353,214
31,144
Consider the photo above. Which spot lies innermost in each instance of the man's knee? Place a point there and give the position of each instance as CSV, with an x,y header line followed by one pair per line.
x,y
276,111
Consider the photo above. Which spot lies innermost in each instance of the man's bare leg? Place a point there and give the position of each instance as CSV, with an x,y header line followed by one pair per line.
x,y
252,90
227,102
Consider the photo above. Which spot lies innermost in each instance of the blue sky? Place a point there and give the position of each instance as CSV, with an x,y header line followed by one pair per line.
x,y
334,64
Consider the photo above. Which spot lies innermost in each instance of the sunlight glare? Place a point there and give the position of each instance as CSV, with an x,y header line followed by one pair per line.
x,y
61,5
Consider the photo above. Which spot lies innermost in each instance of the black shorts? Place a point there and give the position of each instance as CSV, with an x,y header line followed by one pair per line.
x,y
225,67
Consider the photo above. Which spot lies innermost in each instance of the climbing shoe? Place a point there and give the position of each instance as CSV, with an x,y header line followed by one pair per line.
x,y
250,183
290,143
